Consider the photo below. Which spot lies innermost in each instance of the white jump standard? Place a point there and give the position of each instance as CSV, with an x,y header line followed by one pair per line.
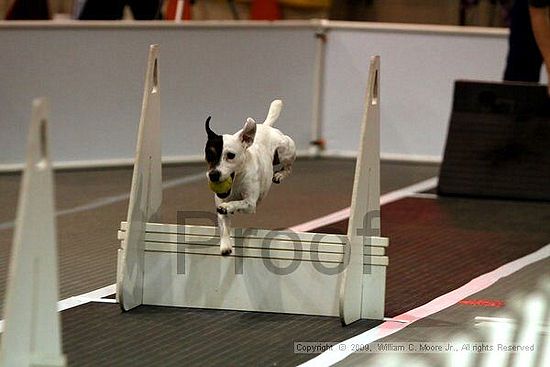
x,y
271,271
32,331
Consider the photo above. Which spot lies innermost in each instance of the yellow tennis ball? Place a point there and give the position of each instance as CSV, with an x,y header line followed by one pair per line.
x,y
221,187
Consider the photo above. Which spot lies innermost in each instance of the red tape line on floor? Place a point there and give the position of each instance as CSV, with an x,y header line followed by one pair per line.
x,y
482,302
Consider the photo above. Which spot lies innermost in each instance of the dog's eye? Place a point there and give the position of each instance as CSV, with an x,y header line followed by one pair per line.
x,y
230,155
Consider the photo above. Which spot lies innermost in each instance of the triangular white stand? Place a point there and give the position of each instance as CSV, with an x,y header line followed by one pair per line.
x,y
32,334
147,188
270,271
365,299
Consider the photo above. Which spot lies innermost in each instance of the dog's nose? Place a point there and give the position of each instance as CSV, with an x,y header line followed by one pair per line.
x,y
214,176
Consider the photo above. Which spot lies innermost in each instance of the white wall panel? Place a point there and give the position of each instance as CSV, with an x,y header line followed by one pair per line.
x,y
93,76
418,69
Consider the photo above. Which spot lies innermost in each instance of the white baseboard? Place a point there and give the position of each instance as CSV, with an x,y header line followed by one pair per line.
x,y
396,157
413,158
118,162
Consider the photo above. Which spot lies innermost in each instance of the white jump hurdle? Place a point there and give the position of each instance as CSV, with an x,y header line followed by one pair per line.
x,y
32,334
272,271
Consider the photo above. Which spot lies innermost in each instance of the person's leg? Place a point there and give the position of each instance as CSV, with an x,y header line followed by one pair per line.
x,y
102,10
146,9
524,60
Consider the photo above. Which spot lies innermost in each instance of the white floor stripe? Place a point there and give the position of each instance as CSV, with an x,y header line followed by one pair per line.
x,y
494,319
98,300
384,199
421,195
484,321
478,284
81,299
86,297
115,198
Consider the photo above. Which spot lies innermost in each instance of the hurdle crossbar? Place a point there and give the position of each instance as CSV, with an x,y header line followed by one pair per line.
x,y
270,271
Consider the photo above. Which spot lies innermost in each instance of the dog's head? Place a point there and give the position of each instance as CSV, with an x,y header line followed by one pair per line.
x,y
225,154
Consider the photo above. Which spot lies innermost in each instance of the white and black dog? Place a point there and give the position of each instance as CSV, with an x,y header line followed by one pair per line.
x,y
248,157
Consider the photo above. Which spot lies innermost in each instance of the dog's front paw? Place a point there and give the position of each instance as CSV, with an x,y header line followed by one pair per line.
x,y
278,177
225,208
225,248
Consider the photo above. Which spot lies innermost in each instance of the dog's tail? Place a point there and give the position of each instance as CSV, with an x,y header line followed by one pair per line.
x,y
274,111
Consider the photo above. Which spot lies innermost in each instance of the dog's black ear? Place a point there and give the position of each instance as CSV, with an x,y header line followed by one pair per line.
x,y
248,133
209,131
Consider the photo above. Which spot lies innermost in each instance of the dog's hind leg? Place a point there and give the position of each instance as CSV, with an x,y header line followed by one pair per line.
x,y
286,152
224,225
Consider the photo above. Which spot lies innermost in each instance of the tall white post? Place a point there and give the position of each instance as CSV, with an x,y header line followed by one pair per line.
x,y
32,335
146,192
318,84
364,221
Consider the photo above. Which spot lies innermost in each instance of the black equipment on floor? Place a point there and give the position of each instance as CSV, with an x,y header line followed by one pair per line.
x,y
498,143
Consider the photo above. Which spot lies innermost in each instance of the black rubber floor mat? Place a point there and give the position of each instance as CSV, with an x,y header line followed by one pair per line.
x,y
438,245
435,246
99,334
498,140
460,319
